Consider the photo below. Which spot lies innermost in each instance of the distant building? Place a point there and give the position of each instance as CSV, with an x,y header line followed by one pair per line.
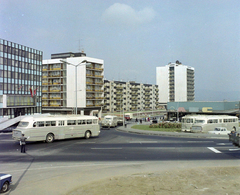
x,y
20,79
59,84
175,82
129,96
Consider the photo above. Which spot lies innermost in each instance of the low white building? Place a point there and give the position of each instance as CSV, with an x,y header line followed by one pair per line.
x,y
175,82
59,94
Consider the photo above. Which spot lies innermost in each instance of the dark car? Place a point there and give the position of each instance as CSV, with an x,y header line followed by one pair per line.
x,y
5,180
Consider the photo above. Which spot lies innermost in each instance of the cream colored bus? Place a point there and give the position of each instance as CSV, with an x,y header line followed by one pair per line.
x,y
187,122
207,123
55,127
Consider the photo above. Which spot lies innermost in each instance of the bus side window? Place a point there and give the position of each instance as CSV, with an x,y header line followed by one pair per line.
x,y
220,120
79,122
71,122
34,124
48,123
83,122
40,123
60,123
89,121
209,121
53,123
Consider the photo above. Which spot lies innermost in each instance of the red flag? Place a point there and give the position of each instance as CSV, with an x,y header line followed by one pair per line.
x,y
35,91
31,91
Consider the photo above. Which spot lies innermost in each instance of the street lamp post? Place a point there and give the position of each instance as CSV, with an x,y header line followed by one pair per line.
x,y
75,65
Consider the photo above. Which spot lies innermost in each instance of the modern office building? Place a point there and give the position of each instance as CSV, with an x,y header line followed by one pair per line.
x,y
72,82
129,96
20,79
175,82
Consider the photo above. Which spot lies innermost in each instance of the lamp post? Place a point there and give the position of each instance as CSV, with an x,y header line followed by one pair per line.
x,y
75,65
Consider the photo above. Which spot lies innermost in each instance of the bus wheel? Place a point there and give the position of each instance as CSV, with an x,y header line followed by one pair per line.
x,y
49,138
87,134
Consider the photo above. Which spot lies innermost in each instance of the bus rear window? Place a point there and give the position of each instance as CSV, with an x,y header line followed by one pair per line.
x,y
23,124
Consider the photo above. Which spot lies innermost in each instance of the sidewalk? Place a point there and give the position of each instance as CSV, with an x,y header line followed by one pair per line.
x,y
175,134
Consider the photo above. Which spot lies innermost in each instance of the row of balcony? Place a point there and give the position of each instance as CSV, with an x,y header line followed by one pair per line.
x,y
92,75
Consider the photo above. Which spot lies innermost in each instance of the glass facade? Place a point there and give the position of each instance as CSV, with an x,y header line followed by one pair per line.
x,y
20,79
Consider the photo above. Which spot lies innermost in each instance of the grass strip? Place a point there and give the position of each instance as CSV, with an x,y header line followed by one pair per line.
x,y
147,128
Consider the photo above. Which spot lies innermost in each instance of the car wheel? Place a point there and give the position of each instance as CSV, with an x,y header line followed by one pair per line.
x,y
50,138
87,134
5,187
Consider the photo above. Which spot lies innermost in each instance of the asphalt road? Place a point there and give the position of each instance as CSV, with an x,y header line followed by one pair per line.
x,y
61,166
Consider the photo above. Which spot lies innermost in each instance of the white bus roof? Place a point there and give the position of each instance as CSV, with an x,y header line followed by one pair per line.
x,y
57,117
109,116
208,116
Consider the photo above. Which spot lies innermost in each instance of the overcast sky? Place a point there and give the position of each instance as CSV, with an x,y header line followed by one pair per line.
x,y
133,37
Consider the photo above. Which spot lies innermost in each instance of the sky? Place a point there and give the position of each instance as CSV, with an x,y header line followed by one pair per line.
x,y
133,37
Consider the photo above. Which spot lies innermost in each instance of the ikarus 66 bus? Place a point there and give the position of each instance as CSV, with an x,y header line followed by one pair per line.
x,y
187,122
207,123
54,127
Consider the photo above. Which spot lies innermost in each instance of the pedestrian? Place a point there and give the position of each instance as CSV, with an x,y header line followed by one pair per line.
x,y
23,143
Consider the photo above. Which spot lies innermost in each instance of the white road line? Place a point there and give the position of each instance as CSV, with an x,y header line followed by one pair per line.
x,y
224,144
106,148
161,148
214,150
200,141
143,142
234,149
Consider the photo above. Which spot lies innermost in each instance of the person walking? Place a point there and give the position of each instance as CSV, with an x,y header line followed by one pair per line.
x,y
23,143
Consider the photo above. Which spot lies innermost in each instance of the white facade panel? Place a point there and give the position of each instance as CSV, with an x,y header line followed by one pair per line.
x,y
180,83
162,77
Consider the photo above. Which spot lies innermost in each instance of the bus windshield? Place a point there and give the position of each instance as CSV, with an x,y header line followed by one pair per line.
x,y
23,124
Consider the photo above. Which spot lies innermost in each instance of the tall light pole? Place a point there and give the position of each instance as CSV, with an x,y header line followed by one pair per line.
x,y
75,65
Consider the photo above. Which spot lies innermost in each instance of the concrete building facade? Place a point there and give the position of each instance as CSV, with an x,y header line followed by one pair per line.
x,y
129,96
20,79
175,82
60,81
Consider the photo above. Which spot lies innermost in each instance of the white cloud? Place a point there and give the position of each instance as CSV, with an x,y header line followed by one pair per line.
x,y
122,14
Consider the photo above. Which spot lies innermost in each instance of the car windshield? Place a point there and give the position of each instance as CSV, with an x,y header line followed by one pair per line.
x,y
23,124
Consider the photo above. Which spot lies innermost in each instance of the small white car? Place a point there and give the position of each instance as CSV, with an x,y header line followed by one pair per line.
x,y
220,131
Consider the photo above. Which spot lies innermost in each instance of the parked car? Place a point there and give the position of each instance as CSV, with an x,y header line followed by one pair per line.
x,y
220,131
5,181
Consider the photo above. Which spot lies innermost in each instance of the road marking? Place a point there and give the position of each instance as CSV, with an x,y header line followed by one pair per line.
x,y
224,144
161,148
214,150
143,142
200,141
234,149
106,148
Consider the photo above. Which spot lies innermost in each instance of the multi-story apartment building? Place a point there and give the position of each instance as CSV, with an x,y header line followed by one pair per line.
x,y
129,96
60,81
175,82
20,79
